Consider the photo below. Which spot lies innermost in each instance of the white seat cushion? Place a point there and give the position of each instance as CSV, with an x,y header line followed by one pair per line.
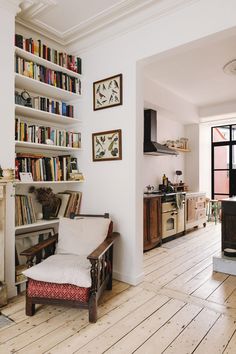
x,y
81,236
62,269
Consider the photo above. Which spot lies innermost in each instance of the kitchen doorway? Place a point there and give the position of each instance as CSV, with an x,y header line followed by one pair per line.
x,y
223,142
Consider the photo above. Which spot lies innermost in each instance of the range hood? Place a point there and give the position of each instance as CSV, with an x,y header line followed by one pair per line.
x,y
151,146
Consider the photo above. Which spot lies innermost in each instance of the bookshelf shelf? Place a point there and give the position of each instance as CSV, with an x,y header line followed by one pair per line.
x,y
36,59
44,89
25,144
39,224
17,183
179,149
37,114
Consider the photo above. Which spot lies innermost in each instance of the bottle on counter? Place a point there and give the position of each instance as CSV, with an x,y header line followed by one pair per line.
x,y
165,180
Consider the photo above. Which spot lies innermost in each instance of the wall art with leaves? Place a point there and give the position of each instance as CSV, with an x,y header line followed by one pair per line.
x,y
107,145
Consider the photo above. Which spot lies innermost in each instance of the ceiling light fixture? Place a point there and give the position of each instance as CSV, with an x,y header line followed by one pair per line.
x,y
230,67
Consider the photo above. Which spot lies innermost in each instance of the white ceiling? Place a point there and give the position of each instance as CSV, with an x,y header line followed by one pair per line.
x,y
70,13
195,72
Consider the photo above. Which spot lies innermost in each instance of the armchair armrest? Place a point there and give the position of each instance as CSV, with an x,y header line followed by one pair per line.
x,y
103,247
32,251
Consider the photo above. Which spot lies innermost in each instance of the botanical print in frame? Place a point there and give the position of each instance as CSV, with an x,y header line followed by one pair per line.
x,y
107,93
107,145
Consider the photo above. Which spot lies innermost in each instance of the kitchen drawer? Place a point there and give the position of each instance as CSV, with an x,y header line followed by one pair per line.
x,y
201,199
168,206
200,205
201,214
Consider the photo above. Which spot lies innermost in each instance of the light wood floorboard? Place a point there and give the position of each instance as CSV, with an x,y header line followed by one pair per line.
x,y
181,307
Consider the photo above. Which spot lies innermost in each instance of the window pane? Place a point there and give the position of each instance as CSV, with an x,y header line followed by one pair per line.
x,y
234,156
221,157
221,182
220,196
221,134
233,132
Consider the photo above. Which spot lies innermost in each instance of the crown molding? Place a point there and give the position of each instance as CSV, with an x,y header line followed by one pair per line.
x,y
11,6
120,18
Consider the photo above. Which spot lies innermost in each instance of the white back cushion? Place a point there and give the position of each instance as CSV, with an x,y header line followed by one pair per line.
x,y
81,236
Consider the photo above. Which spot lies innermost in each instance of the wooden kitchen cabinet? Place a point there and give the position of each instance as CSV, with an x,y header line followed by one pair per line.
x,y
195,210
151,222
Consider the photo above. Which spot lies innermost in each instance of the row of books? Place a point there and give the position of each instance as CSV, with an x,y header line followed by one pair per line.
x,y
25,208
40,49
70,203
33,133
45,168
46,104
25,212
46,75
52,106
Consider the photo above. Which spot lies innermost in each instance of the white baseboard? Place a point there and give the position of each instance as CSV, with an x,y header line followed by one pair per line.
x,y
128,278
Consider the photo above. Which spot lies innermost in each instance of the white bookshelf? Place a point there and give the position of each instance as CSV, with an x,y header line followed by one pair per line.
x,y
38,224
36,114
44,89
25,144
45,182
39,117
36,59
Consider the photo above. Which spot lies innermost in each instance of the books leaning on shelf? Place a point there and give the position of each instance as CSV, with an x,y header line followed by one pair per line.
x,y
47,105
48,76
70,203
44,168
36,47
32,133
25,213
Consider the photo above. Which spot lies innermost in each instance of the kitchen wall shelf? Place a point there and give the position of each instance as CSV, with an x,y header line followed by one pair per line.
x,y
37,114
25,144
41,61
179,149
44,89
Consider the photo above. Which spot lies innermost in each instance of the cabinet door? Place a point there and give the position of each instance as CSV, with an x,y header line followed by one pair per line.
x,y
154,227
191,209
145,222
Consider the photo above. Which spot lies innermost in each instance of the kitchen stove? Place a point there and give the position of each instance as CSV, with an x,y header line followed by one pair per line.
x,y
173,214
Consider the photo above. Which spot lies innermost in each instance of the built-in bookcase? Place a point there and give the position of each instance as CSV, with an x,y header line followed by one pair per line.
x,y
53,121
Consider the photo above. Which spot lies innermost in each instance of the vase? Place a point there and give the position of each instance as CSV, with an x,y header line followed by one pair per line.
x,y
47,212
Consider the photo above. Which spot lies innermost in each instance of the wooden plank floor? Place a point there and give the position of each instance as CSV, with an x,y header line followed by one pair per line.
x,y
181,307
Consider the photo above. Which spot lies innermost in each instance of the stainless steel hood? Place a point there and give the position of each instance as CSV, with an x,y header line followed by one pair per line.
x,y
151,146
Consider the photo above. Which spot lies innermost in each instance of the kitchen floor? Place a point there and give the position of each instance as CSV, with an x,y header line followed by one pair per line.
x,y
180,307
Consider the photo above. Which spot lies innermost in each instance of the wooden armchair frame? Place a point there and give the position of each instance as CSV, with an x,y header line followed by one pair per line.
x,y
101,260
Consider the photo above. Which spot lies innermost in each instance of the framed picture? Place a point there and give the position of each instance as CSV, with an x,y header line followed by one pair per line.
x,y
107,145
107,93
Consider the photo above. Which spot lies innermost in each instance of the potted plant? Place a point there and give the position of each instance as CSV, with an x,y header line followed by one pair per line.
x,y
50,202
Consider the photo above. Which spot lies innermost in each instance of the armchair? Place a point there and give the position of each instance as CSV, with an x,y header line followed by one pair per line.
x,y
76,266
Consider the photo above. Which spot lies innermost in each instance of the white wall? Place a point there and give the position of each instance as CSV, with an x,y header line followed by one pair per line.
x,y
117,186
155,166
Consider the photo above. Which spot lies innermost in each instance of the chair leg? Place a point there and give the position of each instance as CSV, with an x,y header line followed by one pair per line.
x,y
30,307
109,283
93,309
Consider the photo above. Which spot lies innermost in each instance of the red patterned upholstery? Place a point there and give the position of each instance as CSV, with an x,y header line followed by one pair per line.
x,y
57,291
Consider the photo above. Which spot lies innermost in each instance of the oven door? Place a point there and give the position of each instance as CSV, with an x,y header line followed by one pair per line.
x,y
169,224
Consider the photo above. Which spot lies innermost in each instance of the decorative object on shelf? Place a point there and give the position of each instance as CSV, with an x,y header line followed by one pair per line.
x,y
50,202
7,174
181,143
26,177
1,172
26,99
107,92
76,176
107,145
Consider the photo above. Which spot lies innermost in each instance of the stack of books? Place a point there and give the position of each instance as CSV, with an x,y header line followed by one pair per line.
x,y
40,49
25,213
33,133
44,168
48,76
70,203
